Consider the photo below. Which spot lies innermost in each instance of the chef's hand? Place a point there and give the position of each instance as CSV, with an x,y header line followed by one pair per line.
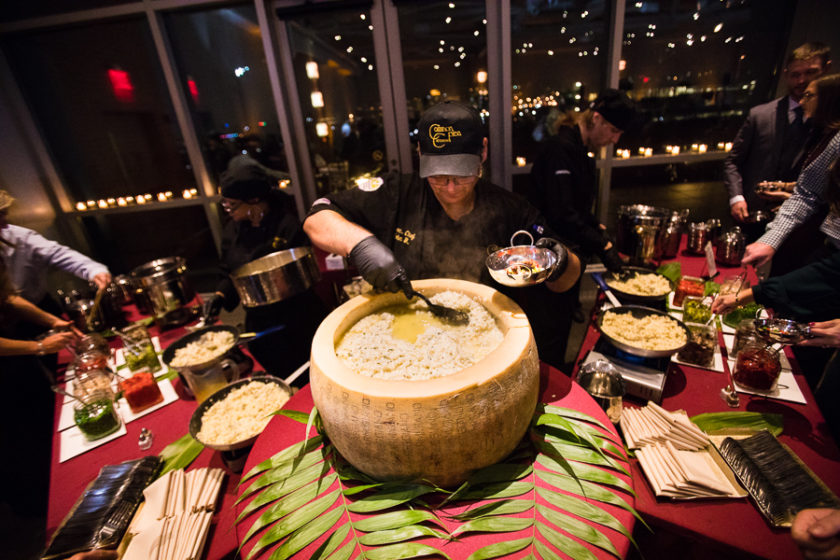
x,y
377,264
611,259
562,256
214,306
817,532
757,254
825,333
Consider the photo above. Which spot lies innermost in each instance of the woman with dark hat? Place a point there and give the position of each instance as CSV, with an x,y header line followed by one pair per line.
x,y
263,221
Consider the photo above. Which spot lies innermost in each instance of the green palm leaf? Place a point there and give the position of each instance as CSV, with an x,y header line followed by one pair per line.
x,y
573,414
294,521
499,549
344,553
494,525
584,510
591,473
306,534
333,542
558,449
561,542
295,415
399,535
180,453
578,529
394,520
499,490
395,496
285,455
284,487
284,470
501,507
402,550
293,502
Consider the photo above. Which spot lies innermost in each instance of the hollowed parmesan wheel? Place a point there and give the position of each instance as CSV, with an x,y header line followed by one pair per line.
x,y
439,430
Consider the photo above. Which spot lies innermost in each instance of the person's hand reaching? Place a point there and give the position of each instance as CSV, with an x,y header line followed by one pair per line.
x,y
757,254
377,264
825,333
102,280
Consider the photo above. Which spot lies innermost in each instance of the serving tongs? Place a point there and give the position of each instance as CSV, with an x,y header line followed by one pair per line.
x,y
453,316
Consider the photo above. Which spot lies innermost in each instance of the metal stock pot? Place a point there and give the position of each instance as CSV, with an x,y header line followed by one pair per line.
x,y
640,232
167,289
276,277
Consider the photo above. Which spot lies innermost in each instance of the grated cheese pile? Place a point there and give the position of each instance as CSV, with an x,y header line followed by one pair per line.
x,y
242,414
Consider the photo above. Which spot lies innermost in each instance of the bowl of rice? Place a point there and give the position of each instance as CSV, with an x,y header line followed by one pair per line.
x,y
233,417
643,331
639,285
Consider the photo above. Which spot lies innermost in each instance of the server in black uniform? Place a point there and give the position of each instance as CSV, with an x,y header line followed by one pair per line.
x,y
440,223
263,221
564,183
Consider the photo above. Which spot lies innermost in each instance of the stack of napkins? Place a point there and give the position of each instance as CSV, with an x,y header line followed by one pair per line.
x,y
654,424
677,456
175,518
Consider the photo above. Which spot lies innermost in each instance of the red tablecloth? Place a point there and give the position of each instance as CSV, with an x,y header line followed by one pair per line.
x,y
556,388
734,526
69,479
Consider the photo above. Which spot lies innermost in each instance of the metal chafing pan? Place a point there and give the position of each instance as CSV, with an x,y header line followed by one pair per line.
x,y
628,272
639,311
276,277
195,420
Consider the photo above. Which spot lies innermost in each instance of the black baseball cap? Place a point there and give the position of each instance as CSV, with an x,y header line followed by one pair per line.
x,y
451,140
616,107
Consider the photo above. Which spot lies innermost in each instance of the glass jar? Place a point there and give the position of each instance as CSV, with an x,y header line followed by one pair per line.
x,y
95,415
757,367
700,350
90,360
696,309
141,391
138,349
93,342
92,380
688,286
744,334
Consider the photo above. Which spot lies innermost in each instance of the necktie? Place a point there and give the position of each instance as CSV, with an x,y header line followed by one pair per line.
x,y
794,138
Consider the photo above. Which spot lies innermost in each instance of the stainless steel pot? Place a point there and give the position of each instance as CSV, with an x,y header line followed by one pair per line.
x,y
640,232
276,277
165,285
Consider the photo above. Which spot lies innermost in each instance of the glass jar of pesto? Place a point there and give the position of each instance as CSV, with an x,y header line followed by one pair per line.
x,y
95,415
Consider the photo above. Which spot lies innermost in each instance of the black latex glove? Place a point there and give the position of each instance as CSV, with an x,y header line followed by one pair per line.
x,y
612,260
377,265
562,256
214,307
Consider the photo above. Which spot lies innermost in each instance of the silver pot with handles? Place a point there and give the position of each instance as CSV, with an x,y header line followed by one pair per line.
x,y
166,288
276,277
641,231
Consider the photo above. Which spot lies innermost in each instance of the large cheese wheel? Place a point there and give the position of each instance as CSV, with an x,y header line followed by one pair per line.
x,y
440,429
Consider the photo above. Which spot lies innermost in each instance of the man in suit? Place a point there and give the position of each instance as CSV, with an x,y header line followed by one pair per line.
x,y
770,144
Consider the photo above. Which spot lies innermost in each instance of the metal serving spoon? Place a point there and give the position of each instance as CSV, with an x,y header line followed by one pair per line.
x,y
447,313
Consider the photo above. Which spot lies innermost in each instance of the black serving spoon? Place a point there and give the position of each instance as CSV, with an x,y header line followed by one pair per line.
x,y
447,313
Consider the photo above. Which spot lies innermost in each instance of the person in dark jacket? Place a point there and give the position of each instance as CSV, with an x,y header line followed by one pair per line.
x,y
263,221
564,183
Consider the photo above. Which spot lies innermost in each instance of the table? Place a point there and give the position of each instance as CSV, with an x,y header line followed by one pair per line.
x,y
555,387
730,526
68,480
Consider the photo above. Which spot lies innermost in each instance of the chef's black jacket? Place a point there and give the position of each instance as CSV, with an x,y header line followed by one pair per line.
x,y
564,186
406,216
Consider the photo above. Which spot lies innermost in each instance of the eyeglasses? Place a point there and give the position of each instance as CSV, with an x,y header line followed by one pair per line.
x,y
230,205
808,95
443,180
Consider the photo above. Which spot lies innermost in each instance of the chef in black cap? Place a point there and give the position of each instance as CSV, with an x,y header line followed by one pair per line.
x,y
263,221
439,222
564,182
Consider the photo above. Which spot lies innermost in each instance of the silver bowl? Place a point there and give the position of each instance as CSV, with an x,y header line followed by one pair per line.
x,y
782,331
521,265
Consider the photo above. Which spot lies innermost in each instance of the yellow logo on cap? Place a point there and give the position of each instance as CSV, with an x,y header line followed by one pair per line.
x,y
441,135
